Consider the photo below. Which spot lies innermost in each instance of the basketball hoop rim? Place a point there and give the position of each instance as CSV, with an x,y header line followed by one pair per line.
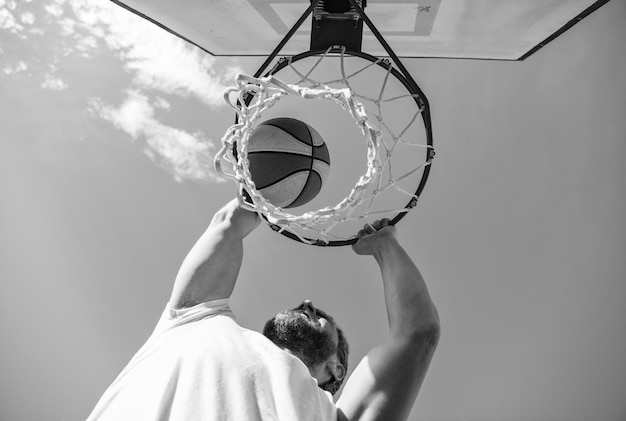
x,y
418,96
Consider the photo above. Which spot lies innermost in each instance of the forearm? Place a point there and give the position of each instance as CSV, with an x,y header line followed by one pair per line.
x,y
211,268
409,306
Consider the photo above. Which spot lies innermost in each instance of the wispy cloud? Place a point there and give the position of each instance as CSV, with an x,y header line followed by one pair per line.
x,y
53,83
185,155
160,65
27,18
157,60
8,19
16,68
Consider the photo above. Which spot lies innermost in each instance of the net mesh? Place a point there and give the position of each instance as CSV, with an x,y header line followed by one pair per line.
x,y
252,97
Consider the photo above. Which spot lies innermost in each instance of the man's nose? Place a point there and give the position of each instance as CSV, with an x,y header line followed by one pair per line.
x,y
307,306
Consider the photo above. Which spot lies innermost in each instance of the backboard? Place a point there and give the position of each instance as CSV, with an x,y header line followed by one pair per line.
x,y
461,29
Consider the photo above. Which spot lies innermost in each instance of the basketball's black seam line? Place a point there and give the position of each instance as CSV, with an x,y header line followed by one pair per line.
x,y
313,158
312,151
274,151
317,157
270,123
289,175
308,178
306,126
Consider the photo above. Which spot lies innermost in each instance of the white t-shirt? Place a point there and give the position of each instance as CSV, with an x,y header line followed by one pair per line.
x,y
200,365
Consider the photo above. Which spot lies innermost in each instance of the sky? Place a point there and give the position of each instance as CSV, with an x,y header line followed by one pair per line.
x,y
109,127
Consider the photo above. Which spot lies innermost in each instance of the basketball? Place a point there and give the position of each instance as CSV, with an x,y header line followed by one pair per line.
x,y
289,161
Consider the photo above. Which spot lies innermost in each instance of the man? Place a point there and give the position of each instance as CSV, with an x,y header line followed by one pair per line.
x,y
199,364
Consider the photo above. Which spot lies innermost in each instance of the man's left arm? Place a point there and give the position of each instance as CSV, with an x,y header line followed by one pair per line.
x,y
385,384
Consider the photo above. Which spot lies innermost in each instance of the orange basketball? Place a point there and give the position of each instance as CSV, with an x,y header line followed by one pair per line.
x,y
289,161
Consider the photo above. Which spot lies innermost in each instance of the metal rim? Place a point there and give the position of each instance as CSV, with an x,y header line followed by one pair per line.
x,y
418,96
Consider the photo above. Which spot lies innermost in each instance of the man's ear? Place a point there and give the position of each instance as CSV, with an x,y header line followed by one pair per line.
x,y
338,370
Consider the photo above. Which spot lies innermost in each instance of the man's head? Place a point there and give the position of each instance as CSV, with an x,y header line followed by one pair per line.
x,y
312,335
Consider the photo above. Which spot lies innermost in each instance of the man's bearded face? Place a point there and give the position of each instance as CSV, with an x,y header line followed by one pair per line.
x,y
297,332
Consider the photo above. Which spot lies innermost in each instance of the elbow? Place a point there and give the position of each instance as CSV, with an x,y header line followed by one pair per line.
x,y
435,334
424,327
419,329
430,328
429,335
426,336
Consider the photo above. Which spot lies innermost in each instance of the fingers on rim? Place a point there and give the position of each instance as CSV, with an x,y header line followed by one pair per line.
x,y
373,227
378,224
370,228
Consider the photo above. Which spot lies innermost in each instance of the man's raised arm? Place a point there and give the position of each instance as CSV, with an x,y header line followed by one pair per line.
x,y
210,270
385,384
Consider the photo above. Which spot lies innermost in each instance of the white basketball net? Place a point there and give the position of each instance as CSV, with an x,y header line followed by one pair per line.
x,y
320,223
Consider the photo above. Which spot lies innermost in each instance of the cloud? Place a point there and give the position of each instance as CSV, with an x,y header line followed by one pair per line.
x,y
8,21
19,67
186,156
160,65
27,18
157,60
54,9
13,20
53,83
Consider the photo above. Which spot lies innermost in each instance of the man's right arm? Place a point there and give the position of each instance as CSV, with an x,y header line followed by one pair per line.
x,y
210,270
385,384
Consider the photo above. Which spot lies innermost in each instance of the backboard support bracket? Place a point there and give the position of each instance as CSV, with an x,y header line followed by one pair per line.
x,y
337,23
326,37
354,5
340,6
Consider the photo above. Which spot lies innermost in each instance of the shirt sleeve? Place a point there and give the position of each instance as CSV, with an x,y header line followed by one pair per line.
x,y
172,317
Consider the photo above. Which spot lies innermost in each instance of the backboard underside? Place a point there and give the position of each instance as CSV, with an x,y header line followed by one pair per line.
x,y
462,29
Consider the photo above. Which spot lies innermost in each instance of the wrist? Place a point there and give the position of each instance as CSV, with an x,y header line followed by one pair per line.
x,y
235,220
387,243
244,221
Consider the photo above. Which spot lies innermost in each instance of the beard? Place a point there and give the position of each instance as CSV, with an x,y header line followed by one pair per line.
x,y
291,330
